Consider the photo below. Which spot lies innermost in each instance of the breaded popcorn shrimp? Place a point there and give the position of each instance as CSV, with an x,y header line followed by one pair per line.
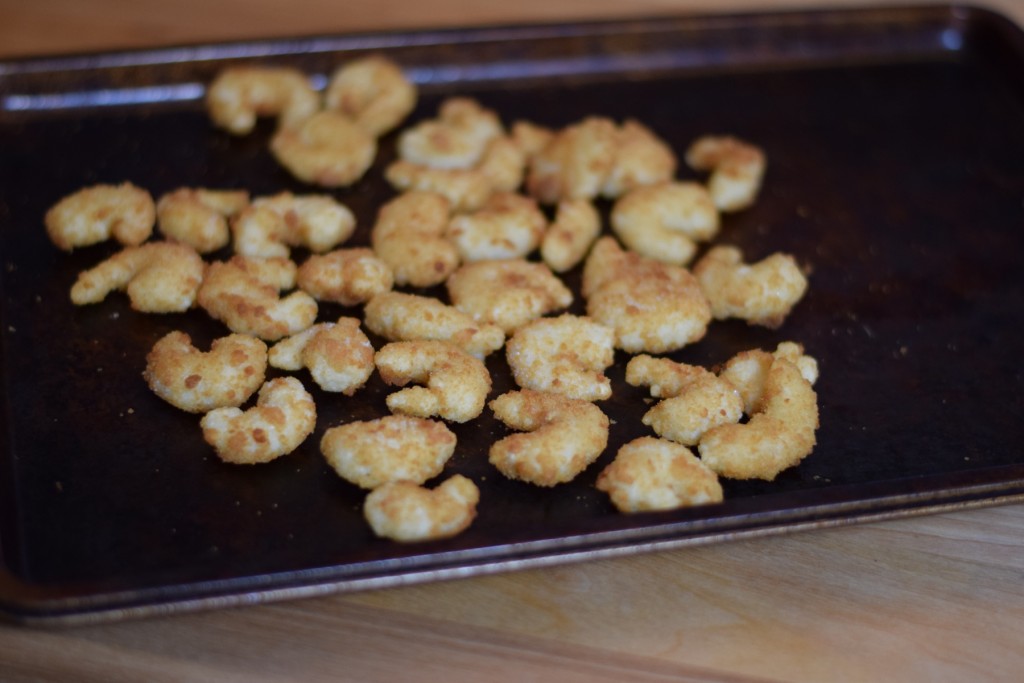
x,y
654,307
665,221
393,448
575,163
568,239
339,356
284,415
456,383
563,436
199,381
345,276
641,158
272,225
327,149
241,94
199,217
695,400
407,513
507,226
409,236
531,138
97,213
761,293
508,293
653,474
244,294
737,169
778,436
747,371
565,355
373,92
457,138
159,277
406,317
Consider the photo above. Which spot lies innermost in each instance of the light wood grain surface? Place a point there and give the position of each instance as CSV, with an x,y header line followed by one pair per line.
x,y
936,598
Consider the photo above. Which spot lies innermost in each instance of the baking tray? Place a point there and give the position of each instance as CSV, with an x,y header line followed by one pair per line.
x,y
895,140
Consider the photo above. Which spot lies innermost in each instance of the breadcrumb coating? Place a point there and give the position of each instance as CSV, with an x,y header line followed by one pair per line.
x,y
653,474
665,221
654,307
565,355
778,436
283,417
507,226
409,236
508,293
747,371
199,217
393,448
561,436
338,355
345,276
327,149
456,383
199,381
314,221
397,316
641,158
407,513
95,214
457,138
737,169
239,95
373,91
244,294
761,293
569,237
575,163
159,277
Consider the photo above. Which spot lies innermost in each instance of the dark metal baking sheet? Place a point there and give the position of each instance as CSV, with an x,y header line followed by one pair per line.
x,y
895,140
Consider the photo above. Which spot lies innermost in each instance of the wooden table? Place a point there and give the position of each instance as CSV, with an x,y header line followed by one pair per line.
x,y
931,598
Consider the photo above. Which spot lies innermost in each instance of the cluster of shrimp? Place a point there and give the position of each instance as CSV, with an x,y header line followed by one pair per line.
x,y
493,216
327,139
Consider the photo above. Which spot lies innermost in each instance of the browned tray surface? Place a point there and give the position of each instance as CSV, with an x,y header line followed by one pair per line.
x,y
895,141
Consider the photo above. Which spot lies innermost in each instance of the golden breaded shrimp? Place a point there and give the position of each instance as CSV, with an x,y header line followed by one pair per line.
x,y
665,221
654,474
507,226
338,355
568,239
244,294
457,138
508,293
271,225
654,307
241,94
392,448
407,513
776,438
373,92
97,213
406,317
283,417
531,138
409,236
199,217
575,163
737,169
199,381
345,276
563,436
326,149
747,371
456,383
761,293
663,376
641,158
503,165
565,355
159,277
